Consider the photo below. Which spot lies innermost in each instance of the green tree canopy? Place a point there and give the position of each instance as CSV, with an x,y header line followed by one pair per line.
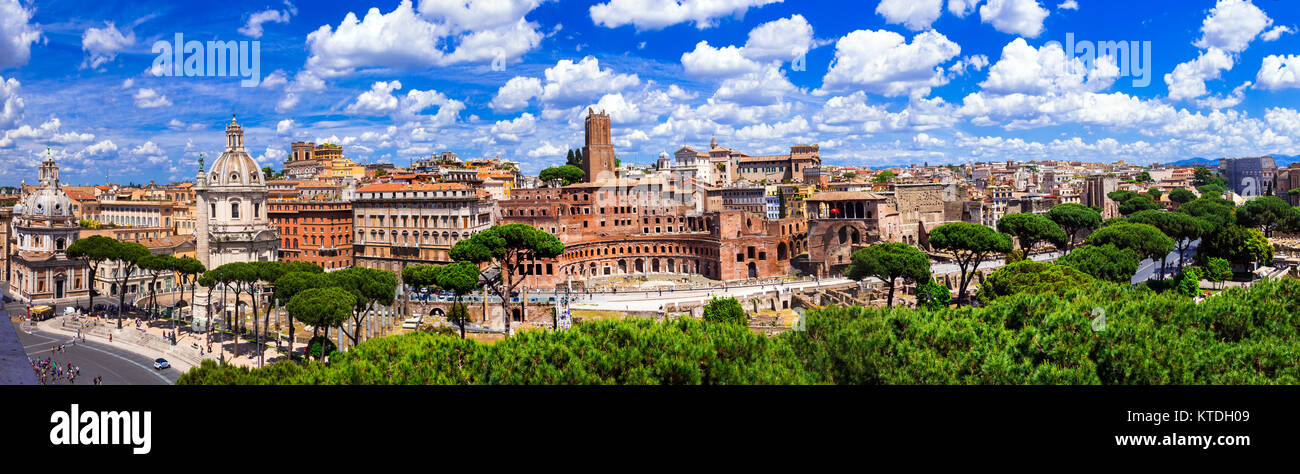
x,y
1181,227
1121,196
1237,244
1181,196
1216,211
1104,262
461,278
292,283
1218,269
368,287
1137,204
128,256
156,265
970,245
504,247
1212,190
1202,176
94,250
1074,219
725,311
1144,239
933,295
569,174
322,307
1031,229
1189,281
1266,213
884,176
1240,336
1030,277
889,261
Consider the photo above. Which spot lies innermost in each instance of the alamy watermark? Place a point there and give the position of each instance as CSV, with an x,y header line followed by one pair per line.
x,y
1098,319
90,428
1132,58
182,58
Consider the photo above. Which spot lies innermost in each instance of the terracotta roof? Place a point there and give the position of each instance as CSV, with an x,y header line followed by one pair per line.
x,y
78,195
391,187
166,242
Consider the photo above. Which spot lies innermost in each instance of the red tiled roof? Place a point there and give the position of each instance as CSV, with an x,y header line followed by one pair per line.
x,y
391,187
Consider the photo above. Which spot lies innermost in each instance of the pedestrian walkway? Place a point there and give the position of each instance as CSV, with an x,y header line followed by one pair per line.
x,y
151,340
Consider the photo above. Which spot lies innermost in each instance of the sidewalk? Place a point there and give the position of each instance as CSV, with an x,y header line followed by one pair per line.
x,y
189,351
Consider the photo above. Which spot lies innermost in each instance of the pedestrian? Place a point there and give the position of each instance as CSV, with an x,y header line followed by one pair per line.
x,y
110,337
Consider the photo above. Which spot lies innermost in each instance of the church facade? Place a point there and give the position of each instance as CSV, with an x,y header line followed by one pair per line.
x,y
231,212
43,227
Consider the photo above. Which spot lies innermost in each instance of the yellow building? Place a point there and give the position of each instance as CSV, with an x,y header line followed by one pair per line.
x,y
344,168
506,178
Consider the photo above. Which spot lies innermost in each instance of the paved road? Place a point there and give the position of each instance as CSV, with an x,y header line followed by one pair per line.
x,y
1149,269
117,366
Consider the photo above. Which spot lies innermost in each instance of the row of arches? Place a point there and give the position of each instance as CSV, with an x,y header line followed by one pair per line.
x,y
675,249
640,266
409,238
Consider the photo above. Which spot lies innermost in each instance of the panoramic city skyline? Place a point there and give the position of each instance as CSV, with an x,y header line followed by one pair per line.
x,y
905,82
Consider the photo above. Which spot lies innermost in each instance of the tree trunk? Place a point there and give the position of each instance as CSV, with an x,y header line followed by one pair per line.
x,y
257,334
961,285
464,317
505,297
121,297
290,317
890,303
238,318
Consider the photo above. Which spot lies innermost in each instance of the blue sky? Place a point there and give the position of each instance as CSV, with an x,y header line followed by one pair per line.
x,y
875,83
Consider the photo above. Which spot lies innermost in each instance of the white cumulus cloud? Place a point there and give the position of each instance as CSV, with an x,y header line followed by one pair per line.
x,y
103,44
147,98
16,34
656,14
1231,25
1279,72
914,14
885,63
1020,17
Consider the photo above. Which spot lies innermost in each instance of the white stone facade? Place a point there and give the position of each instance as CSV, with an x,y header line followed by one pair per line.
x,y
231,213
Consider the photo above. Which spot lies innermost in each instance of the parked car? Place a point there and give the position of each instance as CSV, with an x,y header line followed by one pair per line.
x,y
161,363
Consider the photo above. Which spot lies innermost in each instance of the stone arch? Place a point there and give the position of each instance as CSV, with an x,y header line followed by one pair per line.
x,y
782,251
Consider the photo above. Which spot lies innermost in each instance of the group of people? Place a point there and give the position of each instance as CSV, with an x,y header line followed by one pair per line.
x,y
47,371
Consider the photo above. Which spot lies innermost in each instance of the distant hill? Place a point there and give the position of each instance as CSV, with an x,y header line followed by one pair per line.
x,y
1281,160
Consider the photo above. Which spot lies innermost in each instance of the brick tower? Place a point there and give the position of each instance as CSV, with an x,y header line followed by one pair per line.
x,y
598,154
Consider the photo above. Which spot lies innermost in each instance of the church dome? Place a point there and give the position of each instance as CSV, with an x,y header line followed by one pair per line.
x,y
47,200
235,167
